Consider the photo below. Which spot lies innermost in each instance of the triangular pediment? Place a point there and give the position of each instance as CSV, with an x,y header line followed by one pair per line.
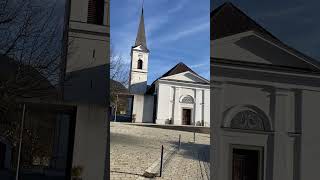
x,y
254,48
186,77
237,38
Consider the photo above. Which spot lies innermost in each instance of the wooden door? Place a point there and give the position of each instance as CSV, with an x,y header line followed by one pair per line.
x,y
245,164
186,116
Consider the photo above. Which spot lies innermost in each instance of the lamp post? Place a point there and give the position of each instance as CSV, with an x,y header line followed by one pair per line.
x,y
20,140
116,109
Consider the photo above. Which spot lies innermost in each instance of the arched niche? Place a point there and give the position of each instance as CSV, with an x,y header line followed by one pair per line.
x,y
247,117
187,99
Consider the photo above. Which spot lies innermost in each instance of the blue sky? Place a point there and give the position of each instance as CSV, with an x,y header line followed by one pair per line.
x,y
177,31
295,22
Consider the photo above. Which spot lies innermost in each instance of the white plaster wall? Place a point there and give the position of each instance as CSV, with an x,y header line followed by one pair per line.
x,y
198,106
138,104
310,147
86,51
163,103
206,108
138,77
148,109
256,96
90,141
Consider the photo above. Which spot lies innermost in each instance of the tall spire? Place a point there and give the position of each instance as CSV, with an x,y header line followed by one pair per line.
x,y
141,36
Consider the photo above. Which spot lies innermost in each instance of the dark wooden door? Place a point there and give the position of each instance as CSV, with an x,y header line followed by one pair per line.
x,y
245,165
186,117
2,154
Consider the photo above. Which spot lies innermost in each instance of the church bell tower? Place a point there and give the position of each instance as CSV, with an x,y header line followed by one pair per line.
x,y
139,61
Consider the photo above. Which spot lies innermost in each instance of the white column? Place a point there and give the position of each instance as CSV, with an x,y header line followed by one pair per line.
x,y
283,144
198,106
177,110
216,150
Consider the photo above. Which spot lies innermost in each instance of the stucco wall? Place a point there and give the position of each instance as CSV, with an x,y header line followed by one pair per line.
x,y
310,124
148,109
90,141
137,111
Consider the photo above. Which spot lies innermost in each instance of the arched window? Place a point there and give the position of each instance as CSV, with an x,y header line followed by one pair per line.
x,y
140,64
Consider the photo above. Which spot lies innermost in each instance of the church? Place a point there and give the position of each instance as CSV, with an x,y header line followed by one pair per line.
x,y
265,103
178,97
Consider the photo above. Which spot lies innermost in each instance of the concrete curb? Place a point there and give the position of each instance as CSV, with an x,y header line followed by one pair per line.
x,y
153,170
197,129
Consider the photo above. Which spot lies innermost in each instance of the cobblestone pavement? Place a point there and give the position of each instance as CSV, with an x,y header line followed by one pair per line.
x,y
135,148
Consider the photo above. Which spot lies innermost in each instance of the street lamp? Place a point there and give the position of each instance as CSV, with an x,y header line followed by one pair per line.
x,y
116,109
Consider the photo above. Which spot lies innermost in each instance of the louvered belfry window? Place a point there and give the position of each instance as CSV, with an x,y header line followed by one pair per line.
x,y
95,11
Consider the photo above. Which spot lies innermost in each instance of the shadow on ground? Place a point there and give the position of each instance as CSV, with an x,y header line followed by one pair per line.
x,y
194,151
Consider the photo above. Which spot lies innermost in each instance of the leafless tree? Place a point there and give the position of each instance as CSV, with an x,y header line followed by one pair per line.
x,y
31,53
30,49
119,69
119,74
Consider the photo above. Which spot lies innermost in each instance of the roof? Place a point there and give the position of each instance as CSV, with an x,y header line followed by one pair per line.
x,y
141,35
118,87
227,20
179,68
27,81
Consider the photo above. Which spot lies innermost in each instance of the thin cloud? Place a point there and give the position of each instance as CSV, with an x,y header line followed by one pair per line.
x,y
178,8
182,34
199,65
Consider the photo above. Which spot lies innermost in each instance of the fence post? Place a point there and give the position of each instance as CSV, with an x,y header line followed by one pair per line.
x,y
194,136
179,141
161,160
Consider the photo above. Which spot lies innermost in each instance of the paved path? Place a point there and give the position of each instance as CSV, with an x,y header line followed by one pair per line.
x,y
135,148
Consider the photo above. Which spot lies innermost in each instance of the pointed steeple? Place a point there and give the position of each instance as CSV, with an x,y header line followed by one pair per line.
x,y
141,36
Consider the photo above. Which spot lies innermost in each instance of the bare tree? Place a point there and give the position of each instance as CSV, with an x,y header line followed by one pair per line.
x,y
30,49
119,69
119,76
31,54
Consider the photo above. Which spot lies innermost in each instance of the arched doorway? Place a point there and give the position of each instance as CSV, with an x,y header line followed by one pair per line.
x,y
187,105
247,157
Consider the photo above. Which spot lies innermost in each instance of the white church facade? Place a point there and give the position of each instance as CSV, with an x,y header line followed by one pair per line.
x,y
265,103
179,97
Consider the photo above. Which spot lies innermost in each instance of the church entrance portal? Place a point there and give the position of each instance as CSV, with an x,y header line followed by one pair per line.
x,y
186,116
246,164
